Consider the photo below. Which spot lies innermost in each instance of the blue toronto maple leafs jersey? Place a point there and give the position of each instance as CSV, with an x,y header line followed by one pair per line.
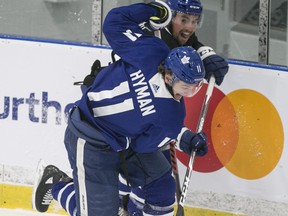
x,y
128,101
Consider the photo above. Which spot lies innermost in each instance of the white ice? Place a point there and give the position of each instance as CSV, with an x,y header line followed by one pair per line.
x,y
18,212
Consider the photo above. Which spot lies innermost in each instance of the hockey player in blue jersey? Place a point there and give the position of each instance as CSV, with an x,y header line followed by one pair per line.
x,y
134,107
181,31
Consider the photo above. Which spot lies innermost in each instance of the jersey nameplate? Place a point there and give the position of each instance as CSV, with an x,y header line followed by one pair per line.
x,y
143,95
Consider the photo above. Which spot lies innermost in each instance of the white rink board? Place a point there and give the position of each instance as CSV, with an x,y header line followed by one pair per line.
x,y
40,68
37,75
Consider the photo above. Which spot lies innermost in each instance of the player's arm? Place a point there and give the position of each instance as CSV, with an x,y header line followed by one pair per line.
x,y
128,40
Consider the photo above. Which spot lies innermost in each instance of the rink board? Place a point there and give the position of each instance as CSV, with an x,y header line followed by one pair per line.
x,y
19,197
37,90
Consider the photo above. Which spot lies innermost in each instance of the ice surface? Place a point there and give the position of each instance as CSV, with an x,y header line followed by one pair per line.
x,y
18,212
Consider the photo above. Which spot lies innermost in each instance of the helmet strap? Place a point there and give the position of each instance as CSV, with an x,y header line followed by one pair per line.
x,y
173,80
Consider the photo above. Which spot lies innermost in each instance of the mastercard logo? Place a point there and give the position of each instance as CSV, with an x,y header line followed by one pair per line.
x,y
244,130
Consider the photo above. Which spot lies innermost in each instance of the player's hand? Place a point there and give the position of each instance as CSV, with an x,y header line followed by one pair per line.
x,y
163,19
214,64
194,142
199,144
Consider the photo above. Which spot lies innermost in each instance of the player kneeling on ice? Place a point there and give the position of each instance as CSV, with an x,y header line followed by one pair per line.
x,y
134,107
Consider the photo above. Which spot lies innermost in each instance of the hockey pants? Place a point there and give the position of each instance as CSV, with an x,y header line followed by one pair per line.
x,y
96,168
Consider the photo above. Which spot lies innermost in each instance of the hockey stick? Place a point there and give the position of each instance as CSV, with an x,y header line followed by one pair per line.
x,y
175,170
209,91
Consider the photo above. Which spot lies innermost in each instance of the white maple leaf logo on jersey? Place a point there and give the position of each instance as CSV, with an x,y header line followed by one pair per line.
x,y
185,60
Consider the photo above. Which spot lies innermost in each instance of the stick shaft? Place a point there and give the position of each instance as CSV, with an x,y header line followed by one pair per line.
x,y
209,91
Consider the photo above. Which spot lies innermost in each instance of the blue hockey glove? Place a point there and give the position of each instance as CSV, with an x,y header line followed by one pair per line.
x,y
214,64
194,142
163,18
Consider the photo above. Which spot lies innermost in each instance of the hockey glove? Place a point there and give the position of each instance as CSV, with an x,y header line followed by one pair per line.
x,y
163,18
214,64
194,142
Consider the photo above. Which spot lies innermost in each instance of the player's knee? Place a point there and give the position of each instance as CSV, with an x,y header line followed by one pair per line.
x,y
160,196
161,191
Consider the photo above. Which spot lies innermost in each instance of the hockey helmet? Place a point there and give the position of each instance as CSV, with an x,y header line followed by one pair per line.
x,y
185,64
186,6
